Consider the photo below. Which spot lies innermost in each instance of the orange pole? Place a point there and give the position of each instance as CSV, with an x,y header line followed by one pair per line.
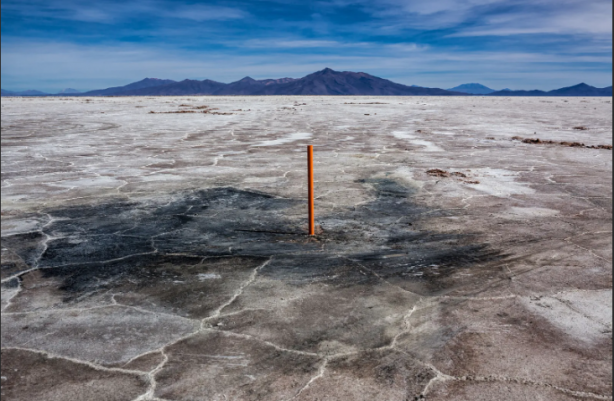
x,y
312,229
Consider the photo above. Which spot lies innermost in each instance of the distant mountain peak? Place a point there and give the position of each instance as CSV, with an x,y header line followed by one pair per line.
x,y
326,71
117,90
277,81
576,90
473,88
69,91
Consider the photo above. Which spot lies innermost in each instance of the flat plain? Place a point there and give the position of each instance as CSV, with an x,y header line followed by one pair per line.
x,y
155,249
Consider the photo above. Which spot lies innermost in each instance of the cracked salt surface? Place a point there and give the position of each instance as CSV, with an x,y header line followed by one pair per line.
x,y
585,316
427,145
296,136
170,264
521,213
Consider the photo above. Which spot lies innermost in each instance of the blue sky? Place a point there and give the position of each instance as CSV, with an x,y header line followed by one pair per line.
x,y
521,44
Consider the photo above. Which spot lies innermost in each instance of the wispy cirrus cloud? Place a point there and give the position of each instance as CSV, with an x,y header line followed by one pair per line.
x,y
290,44
556,18
538,43
73,11
200,12
110,12
274,43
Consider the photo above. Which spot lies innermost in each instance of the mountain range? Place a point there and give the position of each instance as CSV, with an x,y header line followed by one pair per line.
x,y
474,89
325,82
31,92
576,90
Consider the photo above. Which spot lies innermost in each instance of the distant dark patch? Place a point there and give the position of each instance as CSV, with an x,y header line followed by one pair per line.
x,y
438,173
388,187
537,141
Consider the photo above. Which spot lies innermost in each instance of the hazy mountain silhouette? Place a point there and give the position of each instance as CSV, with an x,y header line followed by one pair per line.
x,y
474,89
245,86
330,82
145,83
582,90
29,92
68,91
325,82
576,90
185,87
248,86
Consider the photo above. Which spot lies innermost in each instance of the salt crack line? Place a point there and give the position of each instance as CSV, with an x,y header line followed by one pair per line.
x,y
92,365
470,298
142,355
589,250
439,377
529,382
8,301
239,312
237,293
321,372
101,261
215,160
18,275
113,304
442,377
253,338
149,395
378,276
406,321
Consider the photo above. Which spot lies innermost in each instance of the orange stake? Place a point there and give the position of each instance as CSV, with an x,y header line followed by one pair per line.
x,y
312,229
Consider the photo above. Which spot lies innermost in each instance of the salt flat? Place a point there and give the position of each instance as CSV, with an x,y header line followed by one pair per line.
x,y
163,256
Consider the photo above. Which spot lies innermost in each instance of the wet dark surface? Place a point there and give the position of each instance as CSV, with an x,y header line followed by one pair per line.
x,y
106,245
21,252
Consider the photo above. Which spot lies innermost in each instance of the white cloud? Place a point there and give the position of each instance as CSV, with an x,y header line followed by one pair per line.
x,y
52,66
560,18
112,12
286,44
199,12
275,43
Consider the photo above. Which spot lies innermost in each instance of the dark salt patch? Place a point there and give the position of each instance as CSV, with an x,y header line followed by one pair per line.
x,y
129,247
